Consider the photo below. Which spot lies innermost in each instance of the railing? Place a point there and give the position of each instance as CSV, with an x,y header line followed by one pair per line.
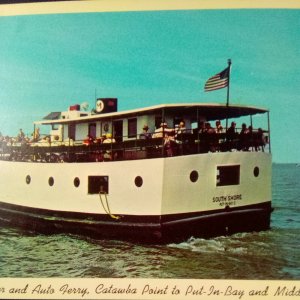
x,y
181,144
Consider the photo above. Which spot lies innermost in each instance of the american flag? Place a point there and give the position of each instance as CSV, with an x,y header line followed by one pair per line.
x,y
217,81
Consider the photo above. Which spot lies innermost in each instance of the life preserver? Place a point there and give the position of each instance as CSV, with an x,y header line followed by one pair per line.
x,y
106,127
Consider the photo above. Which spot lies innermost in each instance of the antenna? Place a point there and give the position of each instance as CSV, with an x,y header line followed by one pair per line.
x,y
95,96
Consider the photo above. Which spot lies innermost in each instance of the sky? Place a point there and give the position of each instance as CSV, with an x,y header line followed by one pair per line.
x,y
49,62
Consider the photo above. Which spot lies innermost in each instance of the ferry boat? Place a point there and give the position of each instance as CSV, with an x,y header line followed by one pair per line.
x,y
157,174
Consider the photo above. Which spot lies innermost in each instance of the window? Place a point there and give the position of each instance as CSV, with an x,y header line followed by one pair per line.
x,y
28,179
228,175
138,181
76,182
132,127
98,184
194,176
51,181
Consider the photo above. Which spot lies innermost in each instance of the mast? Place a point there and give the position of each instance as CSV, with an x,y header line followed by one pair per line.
x,y
228,86
228,92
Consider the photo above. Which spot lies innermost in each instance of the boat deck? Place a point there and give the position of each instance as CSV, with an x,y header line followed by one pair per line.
x,y
79,151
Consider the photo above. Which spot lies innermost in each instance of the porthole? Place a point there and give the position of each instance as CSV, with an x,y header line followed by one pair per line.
x,y
194,176
76,182
51,181
256,171
28,179
138,181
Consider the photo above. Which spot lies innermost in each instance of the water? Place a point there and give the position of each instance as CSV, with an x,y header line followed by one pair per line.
x,y
272,254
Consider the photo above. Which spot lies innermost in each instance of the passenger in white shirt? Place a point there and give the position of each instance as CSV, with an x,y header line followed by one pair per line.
x,y
162,131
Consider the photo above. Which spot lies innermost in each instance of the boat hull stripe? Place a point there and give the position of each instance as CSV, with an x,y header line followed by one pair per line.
x,y
175,227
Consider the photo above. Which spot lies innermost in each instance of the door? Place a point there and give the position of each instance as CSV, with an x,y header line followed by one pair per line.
x,y
72,131
118,130
92,130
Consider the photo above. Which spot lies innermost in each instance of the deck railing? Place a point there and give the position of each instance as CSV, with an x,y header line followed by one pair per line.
x,y
78,151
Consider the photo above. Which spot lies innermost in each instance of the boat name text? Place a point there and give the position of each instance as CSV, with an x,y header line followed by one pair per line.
x,y
227,200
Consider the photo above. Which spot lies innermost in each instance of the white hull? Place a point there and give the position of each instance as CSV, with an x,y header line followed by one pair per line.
x,y
167,188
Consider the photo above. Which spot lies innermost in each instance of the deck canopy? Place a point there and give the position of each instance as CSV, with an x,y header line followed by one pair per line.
x,y
209,111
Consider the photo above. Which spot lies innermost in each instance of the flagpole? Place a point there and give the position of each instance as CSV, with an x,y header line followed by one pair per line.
x,y
227,101
229,66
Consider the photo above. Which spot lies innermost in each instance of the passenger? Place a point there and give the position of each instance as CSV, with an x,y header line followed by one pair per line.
x,y
1,141
36,135
244,129
26,140
45,141
107,155
169,144
181,129
109,139
219,127
201,136
221,134
260,141
100,139
162,131
243,138
250,137
145,135
20,136
209,129
231,132
180,133
231,136
211,137
89,140
202,128
8,141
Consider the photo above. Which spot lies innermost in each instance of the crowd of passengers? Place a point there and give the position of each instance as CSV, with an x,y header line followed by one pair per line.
x,y
210,139
21,138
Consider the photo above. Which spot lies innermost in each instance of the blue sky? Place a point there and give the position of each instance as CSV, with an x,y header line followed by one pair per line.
x,y
48,62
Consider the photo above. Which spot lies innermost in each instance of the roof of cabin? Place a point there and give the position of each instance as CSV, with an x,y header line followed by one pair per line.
x,y
211,111
53,116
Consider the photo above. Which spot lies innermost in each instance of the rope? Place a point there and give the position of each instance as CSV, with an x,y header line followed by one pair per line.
x,y
107,210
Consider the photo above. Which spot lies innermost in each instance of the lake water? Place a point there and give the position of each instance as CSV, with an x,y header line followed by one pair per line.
x,y
272,254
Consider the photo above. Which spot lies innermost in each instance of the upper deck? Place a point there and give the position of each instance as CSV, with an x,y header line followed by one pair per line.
x,y
172,130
